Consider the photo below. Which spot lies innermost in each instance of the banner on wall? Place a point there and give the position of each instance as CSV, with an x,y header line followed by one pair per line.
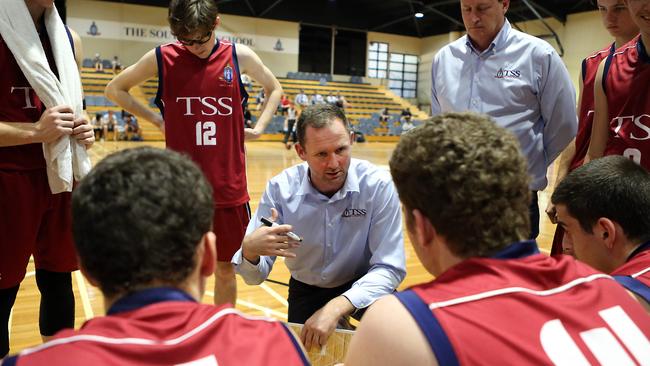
x,y
105,29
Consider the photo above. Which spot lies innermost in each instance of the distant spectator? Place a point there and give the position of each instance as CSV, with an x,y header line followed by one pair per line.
x,y
292,117
133,131
316,98
385,115
331,99
248,119
117,65
323,81
301,99
98,128
259,99
405,116
285,103
110,124
341,102
99,66
246,81
407,125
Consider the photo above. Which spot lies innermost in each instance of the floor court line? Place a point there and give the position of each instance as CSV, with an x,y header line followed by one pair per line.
x,y
267,311
273,293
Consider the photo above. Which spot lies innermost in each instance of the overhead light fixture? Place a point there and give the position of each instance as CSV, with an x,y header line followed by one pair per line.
x,y
419,15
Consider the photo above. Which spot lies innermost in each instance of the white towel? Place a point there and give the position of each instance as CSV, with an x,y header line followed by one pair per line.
x,y
65,157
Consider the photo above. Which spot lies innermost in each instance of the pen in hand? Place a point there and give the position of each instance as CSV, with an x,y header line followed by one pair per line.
x,y
270,223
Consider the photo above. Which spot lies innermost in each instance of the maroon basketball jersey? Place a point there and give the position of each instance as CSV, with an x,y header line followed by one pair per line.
x,y
627,76
524,308
19,103
152,330
586,111
201,103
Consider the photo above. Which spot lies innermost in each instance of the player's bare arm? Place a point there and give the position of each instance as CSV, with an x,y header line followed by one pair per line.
x,y
395,342
117,89
251,65
599,132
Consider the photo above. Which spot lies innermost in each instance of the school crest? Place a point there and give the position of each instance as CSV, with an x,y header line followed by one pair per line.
x,y
227,74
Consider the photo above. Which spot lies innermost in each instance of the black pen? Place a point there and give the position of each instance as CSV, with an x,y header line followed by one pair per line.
x,y
270,223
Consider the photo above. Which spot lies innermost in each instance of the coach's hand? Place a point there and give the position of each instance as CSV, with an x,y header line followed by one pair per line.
x,y
320,326
268,241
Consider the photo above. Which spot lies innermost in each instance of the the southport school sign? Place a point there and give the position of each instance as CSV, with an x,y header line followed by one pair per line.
x,y
106,29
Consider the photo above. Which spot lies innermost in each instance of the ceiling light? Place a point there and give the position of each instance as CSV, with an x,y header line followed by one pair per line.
x,y
419,15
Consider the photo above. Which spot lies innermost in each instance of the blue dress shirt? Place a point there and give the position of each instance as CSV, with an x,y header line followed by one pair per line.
x,y
357,233
519,81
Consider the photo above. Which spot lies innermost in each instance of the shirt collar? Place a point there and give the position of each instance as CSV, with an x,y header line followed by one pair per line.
x,y
147,297
497,43
517,250
641,248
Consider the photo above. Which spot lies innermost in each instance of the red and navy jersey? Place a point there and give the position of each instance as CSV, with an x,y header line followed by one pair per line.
x,y
19,103
635,273
626,79
201,101
525,308
586,111
164,326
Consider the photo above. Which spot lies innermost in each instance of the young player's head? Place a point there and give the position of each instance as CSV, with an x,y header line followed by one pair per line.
x,y
325,143
141,218
617,19
640,12
601,205
193,22
467,178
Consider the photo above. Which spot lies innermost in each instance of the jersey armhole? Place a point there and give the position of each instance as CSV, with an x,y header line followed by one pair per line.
x,y
158,99
242,89
295,341
608,62
429,325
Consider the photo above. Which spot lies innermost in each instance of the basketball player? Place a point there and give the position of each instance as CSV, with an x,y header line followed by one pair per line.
x,y
618,22
622,101
604,207
33,221
150,250
201,99
495,300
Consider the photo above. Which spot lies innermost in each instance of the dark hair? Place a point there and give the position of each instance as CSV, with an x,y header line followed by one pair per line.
x,y
190,16
468,178
138,217
613,187
319,116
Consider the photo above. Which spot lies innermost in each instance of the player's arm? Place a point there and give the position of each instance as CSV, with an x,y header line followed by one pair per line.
x,y
566,157
117,89
398,341
251,64
600,129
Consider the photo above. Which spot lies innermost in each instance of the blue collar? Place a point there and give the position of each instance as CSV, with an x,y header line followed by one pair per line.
x,y
517,250
643,55
146,297
641,248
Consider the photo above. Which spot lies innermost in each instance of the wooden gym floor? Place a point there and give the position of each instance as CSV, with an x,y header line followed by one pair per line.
x,y
265,159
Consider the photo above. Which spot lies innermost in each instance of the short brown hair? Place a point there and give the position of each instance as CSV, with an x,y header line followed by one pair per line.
x,y
191,16
468,178
319,116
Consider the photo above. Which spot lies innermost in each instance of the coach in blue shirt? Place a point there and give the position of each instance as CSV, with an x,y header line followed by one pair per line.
x,y
515,78
348,214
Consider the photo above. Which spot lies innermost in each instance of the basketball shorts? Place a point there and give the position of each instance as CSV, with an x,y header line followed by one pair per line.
x,y
33,221
230,227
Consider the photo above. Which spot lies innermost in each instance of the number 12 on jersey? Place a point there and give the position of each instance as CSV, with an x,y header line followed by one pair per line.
x,y
206,133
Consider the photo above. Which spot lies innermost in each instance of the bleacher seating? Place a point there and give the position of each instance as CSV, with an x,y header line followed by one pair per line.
x,y
365,101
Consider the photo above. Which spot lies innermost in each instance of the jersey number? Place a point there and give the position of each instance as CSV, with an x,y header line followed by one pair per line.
x,y
206,133
634,154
